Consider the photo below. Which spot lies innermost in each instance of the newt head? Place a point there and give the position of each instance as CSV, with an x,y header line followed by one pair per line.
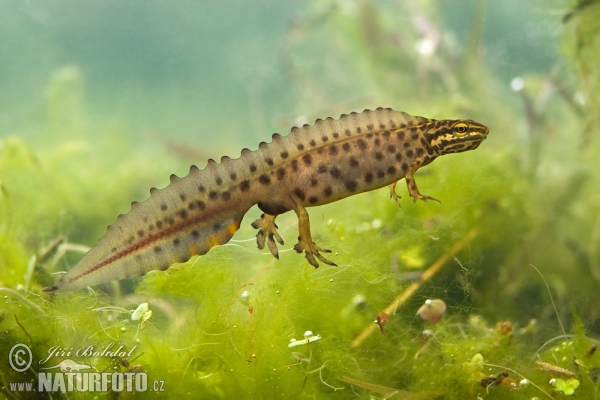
x,y
456,136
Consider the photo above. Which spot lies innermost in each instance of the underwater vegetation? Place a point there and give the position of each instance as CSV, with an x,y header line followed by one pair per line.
x,y
493,294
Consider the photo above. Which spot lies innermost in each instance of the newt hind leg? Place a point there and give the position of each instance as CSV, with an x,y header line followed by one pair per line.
x,y
305,243
267,232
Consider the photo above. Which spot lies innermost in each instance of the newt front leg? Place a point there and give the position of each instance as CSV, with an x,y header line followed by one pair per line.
x,y
393,194
305,243
412,184
267,230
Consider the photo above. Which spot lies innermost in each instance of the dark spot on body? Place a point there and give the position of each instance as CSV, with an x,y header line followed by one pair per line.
x,y
381,126
333,150
157,249
182,196
358,130
346,147
151,227
163,207
312,143
213,195
324,138
419,151
252,167
159,224
280,173
370,127
377,142
380,174
413,129
201,189
398,156
295,165
307,159
313,199
430,151
233,176
361,144
327,191
299,193
369,135
269,160
313,182
176,242
391,148
415,136
245,185
385,134
391,170
225,196
400,135
379,156
322,169
353,162
351,185
406,145
284,154
300,146
409,153
170,221
368,177
216,227
347,132
195,234
200,205
219,181
140,233
335,172
182,213
264,179
335,135
404,167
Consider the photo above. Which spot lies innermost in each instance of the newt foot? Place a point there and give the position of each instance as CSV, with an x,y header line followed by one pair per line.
x,y
267,234
312,250
394,195
419,196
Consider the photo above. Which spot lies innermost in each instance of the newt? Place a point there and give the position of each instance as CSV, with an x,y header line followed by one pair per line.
x,y
313,165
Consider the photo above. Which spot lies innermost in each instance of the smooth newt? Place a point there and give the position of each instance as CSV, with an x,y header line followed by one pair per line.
x,y
313,165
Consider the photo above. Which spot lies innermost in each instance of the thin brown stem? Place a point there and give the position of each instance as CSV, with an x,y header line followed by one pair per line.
x,y
410,291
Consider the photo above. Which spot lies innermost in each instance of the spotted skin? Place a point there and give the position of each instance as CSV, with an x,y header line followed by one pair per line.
x,y
312,166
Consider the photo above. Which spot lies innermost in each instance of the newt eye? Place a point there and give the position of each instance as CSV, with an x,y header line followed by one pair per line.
x,y
461,129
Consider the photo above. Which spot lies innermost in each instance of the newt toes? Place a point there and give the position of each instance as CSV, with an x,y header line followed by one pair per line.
x,y
267,232
312,166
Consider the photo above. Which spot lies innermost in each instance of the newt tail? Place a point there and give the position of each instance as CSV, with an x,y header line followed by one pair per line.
x,y
311,166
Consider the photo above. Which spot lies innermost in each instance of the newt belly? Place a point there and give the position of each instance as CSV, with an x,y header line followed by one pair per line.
x,y
311,166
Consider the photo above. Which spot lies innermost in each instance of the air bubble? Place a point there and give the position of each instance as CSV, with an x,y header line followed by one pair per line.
x,y
517,84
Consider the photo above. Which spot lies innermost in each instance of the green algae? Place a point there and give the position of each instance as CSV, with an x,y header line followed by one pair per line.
x,y
221,323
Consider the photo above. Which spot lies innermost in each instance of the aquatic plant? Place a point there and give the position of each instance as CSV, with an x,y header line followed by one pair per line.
x,y
512,252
